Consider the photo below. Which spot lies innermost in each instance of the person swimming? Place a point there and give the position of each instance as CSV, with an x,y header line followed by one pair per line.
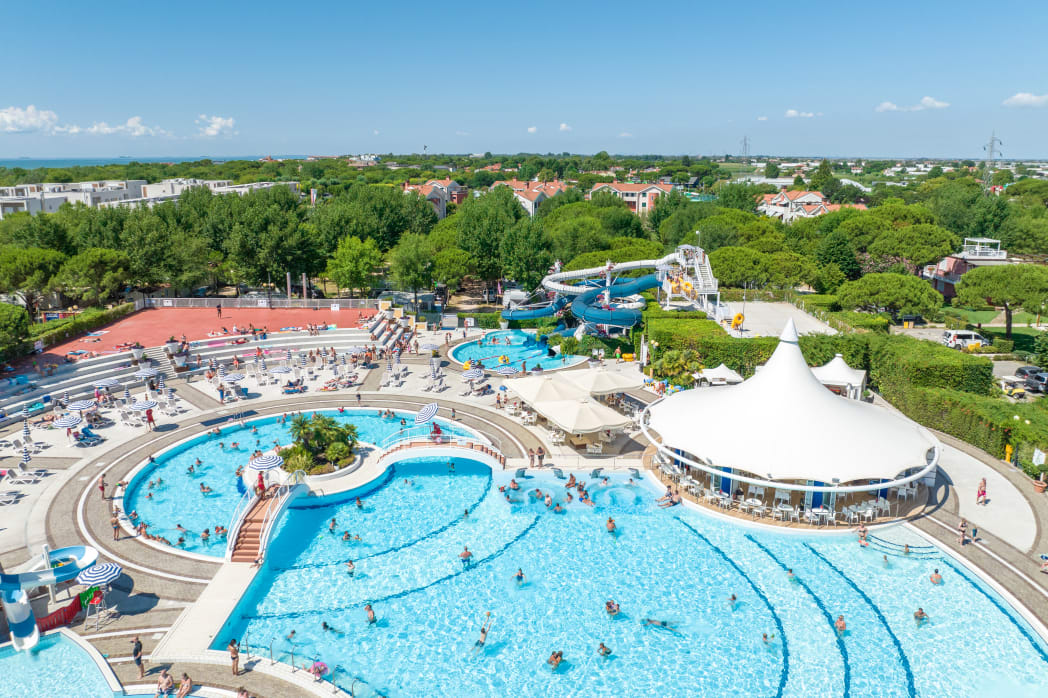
x,y
661,624
611,607
936,578
371,614
610,525
920,616
466,556
351,568
484,628
790,575
555,659
732,602
291,635
840,626
329,628
519,576
603,650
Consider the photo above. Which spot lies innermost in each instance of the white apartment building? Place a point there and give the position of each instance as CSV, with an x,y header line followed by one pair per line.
x,y
171,189
49,197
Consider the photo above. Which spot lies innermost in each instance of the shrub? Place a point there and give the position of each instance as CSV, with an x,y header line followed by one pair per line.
x,y
654,311
14,331
338,452
569,345
826,302
898,362
1003,346
485,321
955,323
864,322
56,331
672,333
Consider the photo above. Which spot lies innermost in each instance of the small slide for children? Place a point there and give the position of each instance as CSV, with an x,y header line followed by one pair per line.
x,y
63,564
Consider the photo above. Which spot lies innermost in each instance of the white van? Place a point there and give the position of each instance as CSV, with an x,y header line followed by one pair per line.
x,y
963,339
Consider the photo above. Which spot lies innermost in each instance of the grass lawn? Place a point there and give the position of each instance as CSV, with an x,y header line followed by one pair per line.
x,y
974,317
1023,336
1023,318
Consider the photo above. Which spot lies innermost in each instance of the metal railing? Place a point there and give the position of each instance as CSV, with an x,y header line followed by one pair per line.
x,y
243,506
282,494
424,433
259,302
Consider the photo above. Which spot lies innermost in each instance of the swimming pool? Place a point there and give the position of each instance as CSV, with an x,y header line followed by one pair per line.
x,y
177,499
57,666
522,349
677,565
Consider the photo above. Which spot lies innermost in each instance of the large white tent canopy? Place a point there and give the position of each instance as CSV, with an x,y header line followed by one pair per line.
x,y
601,381
583,416
721,375
784,425
839,374
543,388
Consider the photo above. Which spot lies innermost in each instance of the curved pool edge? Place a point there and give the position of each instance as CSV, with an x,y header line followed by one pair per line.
x,y
450,352
93,654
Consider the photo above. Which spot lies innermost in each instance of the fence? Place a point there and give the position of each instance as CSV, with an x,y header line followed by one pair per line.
x,y
334,304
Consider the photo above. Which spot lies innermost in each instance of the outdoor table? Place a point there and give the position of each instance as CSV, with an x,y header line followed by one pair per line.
x,y
821,512
786,510
749,503
723,499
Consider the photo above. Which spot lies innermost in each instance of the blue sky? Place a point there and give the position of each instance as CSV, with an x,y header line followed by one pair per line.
x,y
817,78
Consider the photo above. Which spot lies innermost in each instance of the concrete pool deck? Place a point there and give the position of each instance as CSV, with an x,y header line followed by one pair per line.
x,y
163,597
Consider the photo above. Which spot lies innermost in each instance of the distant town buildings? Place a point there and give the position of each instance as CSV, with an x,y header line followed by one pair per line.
x,y
791,205
456,193
48,198
434,194
975,252
640,198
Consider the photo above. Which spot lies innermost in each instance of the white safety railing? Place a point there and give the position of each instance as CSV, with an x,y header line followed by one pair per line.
x,y
235,521
282,494
424,432
259,302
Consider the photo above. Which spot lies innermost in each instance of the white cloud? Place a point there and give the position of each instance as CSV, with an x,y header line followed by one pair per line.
x,y
794,114
375,132
625,134
211,126
762,118
925,103
533,129
1019,99
18,120
132,127
565,127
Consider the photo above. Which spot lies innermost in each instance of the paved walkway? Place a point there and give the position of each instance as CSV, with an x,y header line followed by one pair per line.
x,y
765,319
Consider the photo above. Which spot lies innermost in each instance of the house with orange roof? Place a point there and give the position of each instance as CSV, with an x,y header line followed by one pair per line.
x,y
639,197
791,205
437,197
531,194
456,193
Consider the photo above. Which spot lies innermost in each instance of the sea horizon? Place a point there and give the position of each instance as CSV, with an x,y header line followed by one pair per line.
x,y
29,163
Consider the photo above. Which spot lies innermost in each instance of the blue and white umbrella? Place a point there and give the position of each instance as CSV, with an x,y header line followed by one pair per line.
x,y
160,382
344,360
26,458
389,365
143,405
234,377
281,369
107,383
287,356
507,370
25,411
221,370
101,574
429,347
145,373
67,422
267,462
81,406
302,360
473,374
170,393
397,355
65,397
262,365
25,429
427,413
127,396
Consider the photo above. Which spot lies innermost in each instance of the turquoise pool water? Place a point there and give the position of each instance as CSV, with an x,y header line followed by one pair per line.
x,y
522,349
676,565
55,667
178,500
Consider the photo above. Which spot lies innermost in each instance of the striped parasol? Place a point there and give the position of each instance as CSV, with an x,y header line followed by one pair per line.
x,y
26,459
302,360
145,373
170,393
68,421
267,462
234,377
81,406
25,429
160,382
127,395
507,370
101,574
473,374
65,397
143,405
221,370
25,411
389,364
262,365
427,413
287,356
107,383
281,369
397,356
344,360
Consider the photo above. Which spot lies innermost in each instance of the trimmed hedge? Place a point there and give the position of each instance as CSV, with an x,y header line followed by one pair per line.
x,y
485,321
732,295
825,302
898,362
70,327
860,321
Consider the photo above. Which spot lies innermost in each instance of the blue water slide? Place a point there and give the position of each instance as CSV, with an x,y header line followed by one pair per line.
x,y
584,309
64,564
529,313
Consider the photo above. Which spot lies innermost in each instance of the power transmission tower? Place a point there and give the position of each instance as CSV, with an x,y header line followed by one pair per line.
x,y
992,153
745,147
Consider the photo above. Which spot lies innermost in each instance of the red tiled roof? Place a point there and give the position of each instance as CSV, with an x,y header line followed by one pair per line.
x,y
626,186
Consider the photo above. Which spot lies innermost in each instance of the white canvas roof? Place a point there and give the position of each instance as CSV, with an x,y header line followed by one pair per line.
x,y
837,372
601,381
720,374
581,416
783,424
544,387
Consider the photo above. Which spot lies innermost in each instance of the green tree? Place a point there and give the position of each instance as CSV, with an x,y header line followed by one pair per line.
x,y
451,266
411,262
896,293
740,266
823,178
526,255
916,245
14,329
354,263
27,273
1002,177
94,274
789,270
1009,286
739,196
482,223
771,170
836,249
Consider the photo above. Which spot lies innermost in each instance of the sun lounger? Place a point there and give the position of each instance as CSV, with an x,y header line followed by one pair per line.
x,y
21,477
595,449
559,473
9,497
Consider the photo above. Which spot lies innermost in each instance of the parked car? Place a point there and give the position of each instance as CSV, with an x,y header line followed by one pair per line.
x,y
1026,371
1037,382
963,339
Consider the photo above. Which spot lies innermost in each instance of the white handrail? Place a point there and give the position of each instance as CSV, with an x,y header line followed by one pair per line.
x,y
423,433
236,520
282,494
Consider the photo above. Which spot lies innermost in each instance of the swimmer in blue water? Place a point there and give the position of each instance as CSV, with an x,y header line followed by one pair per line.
x,y
519,576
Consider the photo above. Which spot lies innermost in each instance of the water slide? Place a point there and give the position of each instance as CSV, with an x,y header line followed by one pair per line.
x,y
531,312
63,564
